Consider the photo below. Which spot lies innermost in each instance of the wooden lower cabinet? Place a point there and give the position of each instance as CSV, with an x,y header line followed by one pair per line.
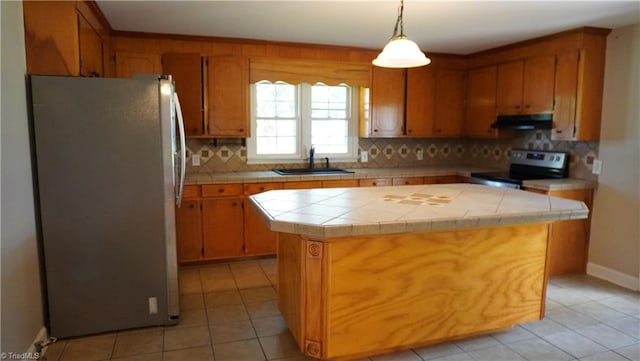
x,y
189,230
258,238
405,181
569,240
222,228
216,221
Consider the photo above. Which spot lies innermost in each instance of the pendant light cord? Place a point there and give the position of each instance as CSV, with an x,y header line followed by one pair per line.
x,y
399,21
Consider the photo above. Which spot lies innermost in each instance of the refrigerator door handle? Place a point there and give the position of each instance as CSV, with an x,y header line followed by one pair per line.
x,y
183,150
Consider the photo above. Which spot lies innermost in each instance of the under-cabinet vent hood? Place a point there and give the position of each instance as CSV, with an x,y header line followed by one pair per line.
x,y
523,121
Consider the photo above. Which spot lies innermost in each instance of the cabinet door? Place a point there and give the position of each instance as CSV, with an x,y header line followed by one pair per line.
x,y
129,64
481,102
538,83
443,179
91,51
227,96
449,103
387,102
375,182
186,70
420,101
566,94
189,230
222,227
258,238
509,88
51,37
405,181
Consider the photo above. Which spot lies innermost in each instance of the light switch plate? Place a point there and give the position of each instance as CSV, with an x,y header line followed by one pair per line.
x,y
195,159
364,156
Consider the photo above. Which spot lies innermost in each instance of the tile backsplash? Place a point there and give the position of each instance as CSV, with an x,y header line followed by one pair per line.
x,y
231,156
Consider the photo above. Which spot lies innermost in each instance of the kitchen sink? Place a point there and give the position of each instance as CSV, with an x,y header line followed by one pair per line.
x,y
302,171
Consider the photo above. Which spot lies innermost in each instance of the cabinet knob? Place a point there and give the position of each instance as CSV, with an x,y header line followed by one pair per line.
x,y
517,107
220,190
261,189
406,182
410,131
375,130
241,130
191,206
234,204
527,106
374,183
558,131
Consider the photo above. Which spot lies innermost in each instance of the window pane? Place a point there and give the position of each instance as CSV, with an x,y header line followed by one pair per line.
x,y
330,119
276,118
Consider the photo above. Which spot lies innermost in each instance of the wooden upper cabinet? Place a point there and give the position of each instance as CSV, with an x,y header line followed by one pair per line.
x,y
65,38
578,95
387,102
566,90
539,75
481,102
449,103
526,86
186,70
132,63
509,88
420,101
51,37
91,50
227,96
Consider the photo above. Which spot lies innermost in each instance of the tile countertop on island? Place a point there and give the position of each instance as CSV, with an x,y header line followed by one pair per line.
x,y
339,212
367,173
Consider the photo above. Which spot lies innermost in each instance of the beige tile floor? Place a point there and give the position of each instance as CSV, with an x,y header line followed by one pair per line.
x,y
229,313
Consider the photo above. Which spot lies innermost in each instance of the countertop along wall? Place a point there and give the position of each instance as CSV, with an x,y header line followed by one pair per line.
x,y
22,317
615,231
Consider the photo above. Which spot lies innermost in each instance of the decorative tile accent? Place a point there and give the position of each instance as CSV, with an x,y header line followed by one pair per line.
x,y
401,152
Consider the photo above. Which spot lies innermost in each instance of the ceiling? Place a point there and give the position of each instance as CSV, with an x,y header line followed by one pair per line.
x,y
455,27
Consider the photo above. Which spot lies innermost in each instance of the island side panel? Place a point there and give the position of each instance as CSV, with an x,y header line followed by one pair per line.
x,y
290,283
391,292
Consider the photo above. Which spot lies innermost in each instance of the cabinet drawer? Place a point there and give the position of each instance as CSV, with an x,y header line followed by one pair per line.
x,y
302,185
221,190
340,183
405,181
376,182
254,188
191,192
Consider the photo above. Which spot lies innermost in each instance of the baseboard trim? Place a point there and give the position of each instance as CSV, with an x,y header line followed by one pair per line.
x,y
613,276
42,336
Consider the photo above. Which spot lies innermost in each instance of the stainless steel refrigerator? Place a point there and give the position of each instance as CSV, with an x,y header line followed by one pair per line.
x,y
109,172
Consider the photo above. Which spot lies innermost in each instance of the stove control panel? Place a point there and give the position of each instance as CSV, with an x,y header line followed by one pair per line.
x,y
539,158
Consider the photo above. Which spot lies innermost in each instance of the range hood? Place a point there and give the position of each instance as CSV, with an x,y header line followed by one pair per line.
x,y
523,121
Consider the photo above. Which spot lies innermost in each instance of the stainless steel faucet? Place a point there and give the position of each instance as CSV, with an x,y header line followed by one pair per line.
x,y
312,152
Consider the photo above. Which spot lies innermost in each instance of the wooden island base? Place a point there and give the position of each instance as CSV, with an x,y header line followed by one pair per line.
x,y
350,297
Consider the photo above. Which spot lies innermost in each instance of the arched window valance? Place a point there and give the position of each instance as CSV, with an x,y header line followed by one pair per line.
x,y
298,71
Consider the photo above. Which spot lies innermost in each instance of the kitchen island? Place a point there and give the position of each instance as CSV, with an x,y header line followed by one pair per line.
x,y
364,271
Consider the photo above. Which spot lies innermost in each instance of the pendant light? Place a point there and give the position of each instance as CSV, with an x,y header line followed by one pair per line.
x,y
400,52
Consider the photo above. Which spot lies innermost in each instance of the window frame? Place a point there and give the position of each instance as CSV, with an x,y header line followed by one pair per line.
x,y
303,141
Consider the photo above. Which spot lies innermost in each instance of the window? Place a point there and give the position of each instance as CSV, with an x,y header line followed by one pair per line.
x,y
287,120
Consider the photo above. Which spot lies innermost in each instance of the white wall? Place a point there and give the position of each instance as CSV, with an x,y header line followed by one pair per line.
x,y
615,229
21,304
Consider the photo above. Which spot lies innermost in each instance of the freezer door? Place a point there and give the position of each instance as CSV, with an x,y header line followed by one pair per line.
x,y
101,156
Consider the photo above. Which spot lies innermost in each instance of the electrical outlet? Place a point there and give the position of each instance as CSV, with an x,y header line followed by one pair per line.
x,y
195,160
153,305
420,154
364,156
596,167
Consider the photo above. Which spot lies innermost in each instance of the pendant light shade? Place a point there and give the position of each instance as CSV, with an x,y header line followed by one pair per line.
x,y
400,52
